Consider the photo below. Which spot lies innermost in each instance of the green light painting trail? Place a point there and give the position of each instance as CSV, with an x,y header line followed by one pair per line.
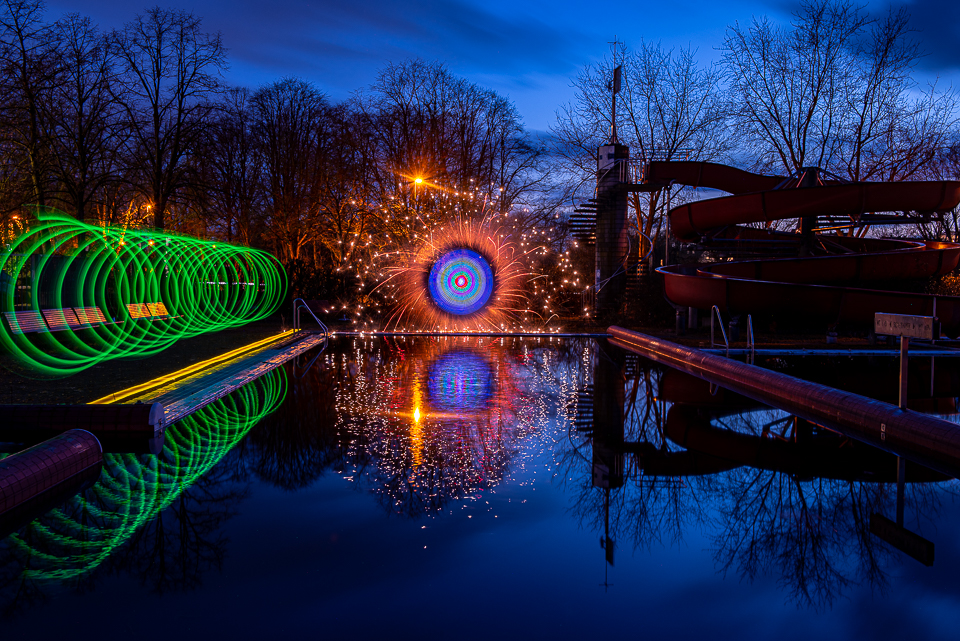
x,y
72,541
205,285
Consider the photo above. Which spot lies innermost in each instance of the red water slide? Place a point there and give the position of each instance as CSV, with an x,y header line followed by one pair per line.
x,y
823,286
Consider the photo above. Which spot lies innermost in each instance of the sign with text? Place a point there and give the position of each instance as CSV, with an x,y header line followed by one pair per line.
x,y
904,325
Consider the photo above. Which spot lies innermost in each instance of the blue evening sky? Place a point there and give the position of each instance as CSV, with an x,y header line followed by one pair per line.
x,y
527,50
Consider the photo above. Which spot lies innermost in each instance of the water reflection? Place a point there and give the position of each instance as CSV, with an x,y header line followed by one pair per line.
x,y
777,495
426,422
158,518
460,381
645,455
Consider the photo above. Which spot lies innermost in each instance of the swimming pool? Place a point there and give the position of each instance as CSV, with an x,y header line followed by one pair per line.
x,y
468,487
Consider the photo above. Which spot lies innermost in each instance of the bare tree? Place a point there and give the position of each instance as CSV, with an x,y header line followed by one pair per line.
x,y
26,71
670,108
350,207
170,72
834,90
82,115
231,168
428,123
287,120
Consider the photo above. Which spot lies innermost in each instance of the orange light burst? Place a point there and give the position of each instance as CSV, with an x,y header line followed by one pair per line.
x,y
415,308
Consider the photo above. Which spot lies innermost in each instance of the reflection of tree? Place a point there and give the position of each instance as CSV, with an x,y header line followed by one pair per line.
x,y
652,507
648,510
184,541
17,590
292,447
813,534
771,520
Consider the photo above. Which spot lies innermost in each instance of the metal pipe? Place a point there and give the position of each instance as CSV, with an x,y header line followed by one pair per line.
x,y
800,351
935,320
925,439
30,475
726,343
932,371
901,479
296,315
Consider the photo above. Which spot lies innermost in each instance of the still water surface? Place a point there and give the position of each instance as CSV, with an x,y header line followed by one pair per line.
x,y
469,488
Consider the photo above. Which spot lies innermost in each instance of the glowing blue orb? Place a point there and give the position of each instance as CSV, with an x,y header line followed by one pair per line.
x,y
461,282
460,381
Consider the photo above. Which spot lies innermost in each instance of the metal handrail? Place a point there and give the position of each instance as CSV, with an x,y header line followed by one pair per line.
x,y
296,315
621,269
751,342
716,311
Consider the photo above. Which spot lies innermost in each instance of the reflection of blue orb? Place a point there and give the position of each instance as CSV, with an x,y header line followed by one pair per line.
x,y
460,381
461,282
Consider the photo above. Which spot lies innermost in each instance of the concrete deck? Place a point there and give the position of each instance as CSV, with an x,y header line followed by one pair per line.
x,y
184,392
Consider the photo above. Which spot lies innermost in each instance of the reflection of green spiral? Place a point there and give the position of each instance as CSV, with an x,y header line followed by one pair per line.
x,y
205,286
72,541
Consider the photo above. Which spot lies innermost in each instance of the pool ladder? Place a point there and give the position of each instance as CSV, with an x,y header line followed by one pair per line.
x,y
751,343
298,304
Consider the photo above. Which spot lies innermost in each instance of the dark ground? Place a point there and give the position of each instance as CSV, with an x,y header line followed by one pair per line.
x,y
21,386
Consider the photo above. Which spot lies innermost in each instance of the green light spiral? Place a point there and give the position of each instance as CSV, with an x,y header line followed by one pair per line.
x,y
205,285
72,541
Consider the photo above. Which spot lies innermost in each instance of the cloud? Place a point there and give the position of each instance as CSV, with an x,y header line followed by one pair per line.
x,y
938,26
341,45
381,30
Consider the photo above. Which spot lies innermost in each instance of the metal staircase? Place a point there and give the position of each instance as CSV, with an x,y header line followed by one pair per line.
x,y
583,222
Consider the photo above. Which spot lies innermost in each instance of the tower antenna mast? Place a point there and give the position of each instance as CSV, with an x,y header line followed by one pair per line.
x,y
615,87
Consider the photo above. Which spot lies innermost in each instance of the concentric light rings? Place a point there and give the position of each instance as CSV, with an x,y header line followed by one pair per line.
x,y
461,282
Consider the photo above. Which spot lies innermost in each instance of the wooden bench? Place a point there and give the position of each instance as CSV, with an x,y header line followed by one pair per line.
x,y
61,319
55,320
138,310
158,310
91,315
150,311
26,322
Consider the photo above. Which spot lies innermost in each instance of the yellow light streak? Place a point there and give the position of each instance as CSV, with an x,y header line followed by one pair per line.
x,y
416,430
186,371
